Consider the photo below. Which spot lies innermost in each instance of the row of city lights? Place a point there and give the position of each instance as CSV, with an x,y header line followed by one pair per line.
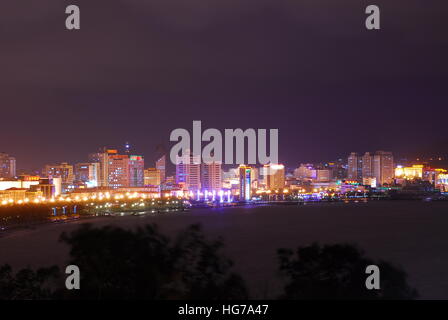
x,y
135,195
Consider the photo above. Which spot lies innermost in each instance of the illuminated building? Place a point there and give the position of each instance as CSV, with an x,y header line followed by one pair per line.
x,y
383,167
305,171
14,194
25,177
323,175
231,179
102,158
161,166
254,177
263,177
118,171
170,180
369,181
275,176
47,187
379,166
211,176
153,177
7,166
409,173
354,171
441,181
63,171
367,166
188,171
87,173
136,171
339,169
19,184
245,183
57,185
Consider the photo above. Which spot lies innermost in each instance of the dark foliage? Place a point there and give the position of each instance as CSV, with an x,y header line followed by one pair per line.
x,y
27,284
143,264
338,272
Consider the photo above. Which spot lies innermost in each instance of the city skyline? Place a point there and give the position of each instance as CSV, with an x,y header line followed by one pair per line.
x,y
156,156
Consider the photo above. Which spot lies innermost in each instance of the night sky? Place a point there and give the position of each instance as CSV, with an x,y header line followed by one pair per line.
x,y
139,69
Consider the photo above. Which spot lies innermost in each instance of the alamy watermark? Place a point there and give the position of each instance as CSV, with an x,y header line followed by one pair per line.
x,y
73,19
237,143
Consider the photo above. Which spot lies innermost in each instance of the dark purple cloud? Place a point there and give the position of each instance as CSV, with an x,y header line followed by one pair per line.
x,y
138,69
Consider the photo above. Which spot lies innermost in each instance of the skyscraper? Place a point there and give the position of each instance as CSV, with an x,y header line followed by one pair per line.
x,y
245,183
118,171
161,166
275,176
211,176
102,157
383,167
188,171
379,166
136,171
63,171
87,173
7,166
367,165
354,171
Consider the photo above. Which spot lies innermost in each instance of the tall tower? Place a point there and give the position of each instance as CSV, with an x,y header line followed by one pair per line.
x,y
102,158
367,165
275,176
245,183
383,167
7,166
188,171
211,176
118,167
354,167
161,166
136,171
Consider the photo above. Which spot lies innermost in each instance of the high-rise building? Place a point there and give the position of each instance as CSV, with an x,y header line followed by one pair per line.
x,y
367,166
254,178
354,171
118,171
188,171
338,169
275,176
7,166
63,171
152,177
161,166
305,171
245,183
211,176
383,167
379,166
102,157
87,173
136,171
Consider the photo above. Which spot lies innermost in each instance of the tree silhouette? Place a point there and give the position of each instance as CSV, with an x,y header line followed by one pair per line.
x,y
338,272
143,264
27,284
